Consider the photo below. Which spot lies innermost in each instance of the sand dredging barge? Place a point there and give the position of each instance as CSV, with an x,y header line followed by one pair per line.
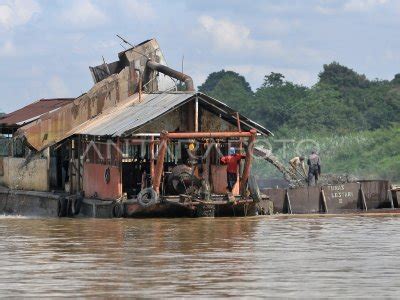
x,y
133,147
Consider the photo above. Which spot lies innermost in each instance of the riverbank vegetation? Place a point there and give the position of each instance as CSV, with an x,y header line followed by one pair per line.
x,y
352,120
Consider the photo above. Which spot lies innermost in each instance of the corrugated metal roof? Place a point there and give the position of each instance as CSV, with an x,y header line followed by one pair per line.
x,y
33,111
135,114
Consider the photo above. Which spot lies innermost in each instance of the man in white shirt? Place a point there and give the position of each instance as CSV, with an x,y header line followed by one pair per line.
x,y
297,164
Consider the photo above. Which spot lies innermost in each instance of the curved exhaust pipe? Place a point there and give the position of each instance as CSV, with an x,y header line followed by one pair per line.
x,y
173,73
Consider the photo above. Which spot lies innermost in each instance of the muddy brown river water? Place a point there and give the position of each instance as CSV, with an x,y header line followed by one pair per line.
x,y
290,257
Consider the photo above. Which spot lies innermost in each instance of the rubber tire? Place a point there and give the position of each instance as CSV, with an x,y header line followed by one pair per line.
x,y
62,207
254,189
144,200
118,210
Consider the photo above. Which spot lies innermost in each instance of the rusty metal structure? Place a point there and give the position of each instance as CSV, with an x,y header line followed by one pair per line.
x,y
135,146
364,196
11,122
129,142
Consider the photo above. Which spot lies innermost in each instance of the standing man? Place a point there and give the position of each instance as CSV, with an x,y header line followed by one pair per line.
x,y
232,161
297,164
314,167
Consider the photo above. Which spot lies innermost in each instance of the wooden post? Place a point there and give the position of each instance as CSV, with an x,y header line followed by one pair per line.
x,y
162,150
241,167
48,156
247,162
390,197
119,164
363,201
79,165
196,115
289,205
71,154
324,201
206,170
151,154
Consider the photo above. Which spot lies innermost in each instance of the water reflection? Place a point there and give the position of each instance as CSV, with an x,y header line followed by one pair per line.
x,y
271,256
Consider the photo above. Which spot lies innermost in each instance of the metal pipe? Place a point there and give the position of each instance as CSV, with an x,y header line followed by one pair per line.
x,y
173,73
222,134
247,161
162,150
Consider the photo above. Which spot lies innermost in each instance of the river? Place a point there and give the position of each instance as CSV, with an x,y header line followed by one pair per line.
x,y
290,257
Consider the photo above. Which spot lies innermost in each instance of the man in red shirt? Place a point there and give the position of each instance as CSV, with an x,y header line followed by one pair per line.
x,y
231,160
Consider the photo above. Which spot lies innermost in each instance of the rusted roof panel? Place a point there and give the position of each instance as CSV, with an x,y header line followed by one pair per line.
x,y
128,118
33,111
134,115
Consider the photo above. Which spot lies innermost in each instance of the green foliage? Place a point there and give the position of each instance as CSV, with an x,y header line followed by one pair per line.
x,y
229,86
273,80
355,120
365,154
396,79
276,101
341,76
342,101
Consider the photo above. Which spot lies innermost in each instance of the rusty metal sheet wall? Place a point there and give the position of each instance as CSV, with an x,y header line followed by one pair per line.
x,y
305,200
219,181
94,181
277,196
54,127
342,197
375,192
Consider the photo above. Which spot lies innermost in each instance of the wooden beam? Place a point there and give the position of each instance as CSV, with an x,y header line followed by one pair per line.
x,y
247,162
162,150
196,115
151,150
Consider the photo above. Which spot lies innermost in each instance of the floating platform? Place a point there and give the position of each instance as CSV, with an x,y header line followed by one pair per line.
x,y
363,197
354,197
44,204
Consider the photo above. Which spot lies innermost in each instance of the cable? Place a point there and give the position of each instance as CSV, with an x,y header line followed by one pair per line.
x,y
133,47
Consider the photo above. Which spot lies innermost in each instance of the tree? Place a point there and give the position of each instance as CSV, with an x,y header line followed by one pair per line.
x,y
273,80
396,79
229,87
341,76
276,100
355,120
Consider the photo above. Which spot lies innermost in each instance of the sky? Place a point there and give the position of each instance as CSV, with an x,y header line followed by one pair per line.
x,y
46,46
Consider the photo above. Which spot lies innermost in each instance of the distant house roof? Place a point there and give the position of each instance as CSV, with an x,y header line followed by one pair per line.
x,y
126,119
32,112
